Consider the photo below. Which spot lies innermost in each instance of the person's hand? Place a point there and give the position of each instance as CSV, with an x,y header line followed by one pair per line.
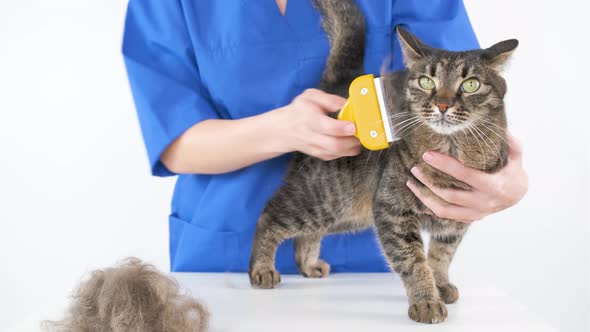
x,y
305,126
491,192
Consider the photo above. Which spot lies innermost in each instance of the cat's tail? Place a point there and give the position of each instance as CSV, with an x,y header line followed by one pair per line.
x,y
344,23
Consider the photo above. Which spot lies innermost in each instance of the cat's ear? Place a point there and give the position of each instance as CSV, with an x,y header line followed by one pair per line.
x,y
412,48
497,55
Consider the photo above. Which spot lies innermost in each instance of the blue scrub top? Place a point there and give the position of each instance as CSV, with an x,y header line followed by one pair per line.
x,y
192,60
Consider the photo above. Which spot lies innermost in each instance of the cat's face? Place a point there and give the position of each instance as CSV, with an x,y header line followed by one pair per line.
x,y
453,91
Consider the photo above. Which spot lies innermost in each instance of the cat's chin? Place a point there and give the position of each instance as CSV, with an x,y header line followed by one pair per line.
x,y
446,128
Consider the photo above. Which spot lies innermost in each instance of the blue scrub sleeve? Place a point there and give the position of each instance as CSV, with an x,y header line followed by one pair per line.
x,y
164,76
439,23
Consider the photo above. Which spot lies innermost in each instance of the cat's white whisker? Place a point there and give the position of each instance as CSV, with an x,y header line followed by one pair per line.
x,y
483,137
492,123
369,157
407,120
478,143
405,127
498,154
415,129
399,115
493,131
408,128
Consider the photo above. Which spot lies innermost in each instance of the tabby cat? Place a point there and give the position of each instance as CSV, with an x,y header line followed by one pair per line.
x,y
445,101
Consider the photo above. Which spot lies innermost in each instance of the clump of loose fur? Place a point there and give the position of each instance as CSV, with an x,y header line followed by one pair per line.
x,y
131,297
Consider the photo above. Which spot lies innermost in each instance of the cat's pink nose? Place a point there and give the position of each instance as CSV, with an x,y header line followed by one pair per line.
x,y
442,107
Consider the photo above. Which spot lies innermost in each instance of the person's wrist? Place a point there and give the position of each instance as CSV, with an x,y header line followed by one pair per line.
x,y
278,138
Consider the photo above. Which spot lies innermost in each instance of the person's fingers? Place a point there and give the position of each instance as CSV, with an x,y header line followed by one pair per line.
x,y
340,146
471,199
327,102
354,150
316,119
444,209
306,107
514,148
454,168
319,152
328,157
349,143
332,127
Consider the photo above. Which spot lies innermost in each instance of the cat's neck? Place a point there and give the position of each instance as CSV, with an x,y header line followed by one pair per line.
x,y
481,150
424,139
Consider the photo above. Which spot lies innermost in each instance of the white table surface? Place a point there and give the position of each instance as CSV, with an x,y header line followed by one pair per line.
x,y
347,302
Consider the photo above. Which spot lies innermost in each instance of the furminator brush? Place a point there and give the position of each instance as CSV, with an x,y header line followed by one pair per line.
x,y
366,108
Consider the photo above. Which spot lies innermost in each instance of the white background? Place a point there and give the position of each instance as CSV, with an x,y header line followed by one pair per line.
x,y
75,193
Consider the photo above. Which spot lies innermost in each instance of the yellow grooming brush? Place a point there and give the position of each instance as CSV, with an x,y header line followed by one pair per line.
x,y
366,108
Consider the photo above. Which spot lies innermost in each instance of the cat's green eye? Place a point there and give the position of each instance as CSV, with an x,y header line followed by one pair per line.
x,y
426,83
470,85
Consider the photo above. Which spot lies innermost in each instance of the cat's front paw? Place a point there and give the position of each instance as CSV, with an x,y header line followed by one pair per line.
x,y
448,293
429,312
319,269
264,277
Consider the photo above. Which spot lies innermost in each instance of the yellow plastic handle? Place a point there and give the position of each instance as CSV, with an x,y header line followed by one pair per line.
x,y
362,108
346,113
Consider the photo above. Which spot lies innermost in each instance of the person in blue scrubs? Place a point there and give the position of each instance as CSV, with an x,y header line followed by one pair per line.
x,y
222,94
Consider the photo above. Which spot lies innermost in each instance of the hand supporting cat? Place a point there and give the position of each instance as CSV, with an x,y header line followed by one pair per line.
x,y
489,193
